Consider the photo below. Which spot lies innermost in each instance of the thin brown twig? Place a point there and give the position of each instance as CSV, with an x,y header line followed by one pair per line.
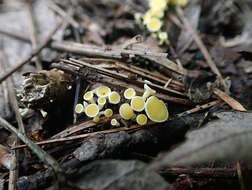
x,y
34,33
200,172
229,100
43,156
33,53
198,108
201,46
78,137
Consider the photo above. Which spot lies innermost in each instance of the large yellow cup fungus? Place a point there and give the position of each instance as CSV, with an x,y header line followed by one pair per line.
x,y
154,24
114,98
129,93
126,111
103,91
141,119
137,103
92,110
156,109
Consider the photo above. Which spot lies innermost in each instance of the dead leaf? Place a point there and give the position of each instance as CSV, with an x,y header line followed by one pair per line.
x,y
228,138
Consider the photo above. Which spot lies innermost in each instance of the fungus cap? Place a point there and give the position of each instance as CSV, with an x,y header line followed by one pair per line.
x,y
154,24
114,122
126,111
114,98
92,110
103,91
156,109
101,102
89,96
108,112
141,119
137,103
158,4
148,91
79,108
129,93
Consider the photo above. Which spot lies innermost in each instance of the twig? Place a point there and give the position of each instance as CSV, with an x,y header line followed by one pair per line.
x,y
200,172
229,100
199,108
34,32
82,126
201,46
43,156
62,13
33,53
123,77
77,137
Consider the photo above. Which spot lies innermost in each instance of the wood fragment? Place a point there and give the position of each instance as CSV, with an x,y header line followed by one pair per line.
x,y
229,100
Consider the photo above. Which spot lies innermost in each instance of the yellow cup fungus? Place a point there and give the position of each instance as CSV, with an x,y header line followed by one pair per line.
x,y
114,122
137,103
154,24
79,108
129,93
108,112
163,37
96,119
89,96
126,111
85,104
156,109
101,102
141,119
114,98
158,4
103,91
92,110
148,91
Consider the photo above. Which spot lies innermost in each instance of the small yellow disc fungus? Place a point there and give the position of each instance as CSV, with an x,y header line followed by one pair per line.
x,y
163,37
154,24
96,119
108,112
126,111
148,91
92,110
114,122
156,13
156,109
114,98
137,103
158,4
89,96
147,17
101,102
103,91
141,119
79,108
129,93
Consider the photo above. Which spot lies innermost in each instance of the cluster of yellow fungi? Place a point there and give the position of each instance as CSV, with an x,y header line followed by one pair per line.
x,y
154,108
153,18
92,108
